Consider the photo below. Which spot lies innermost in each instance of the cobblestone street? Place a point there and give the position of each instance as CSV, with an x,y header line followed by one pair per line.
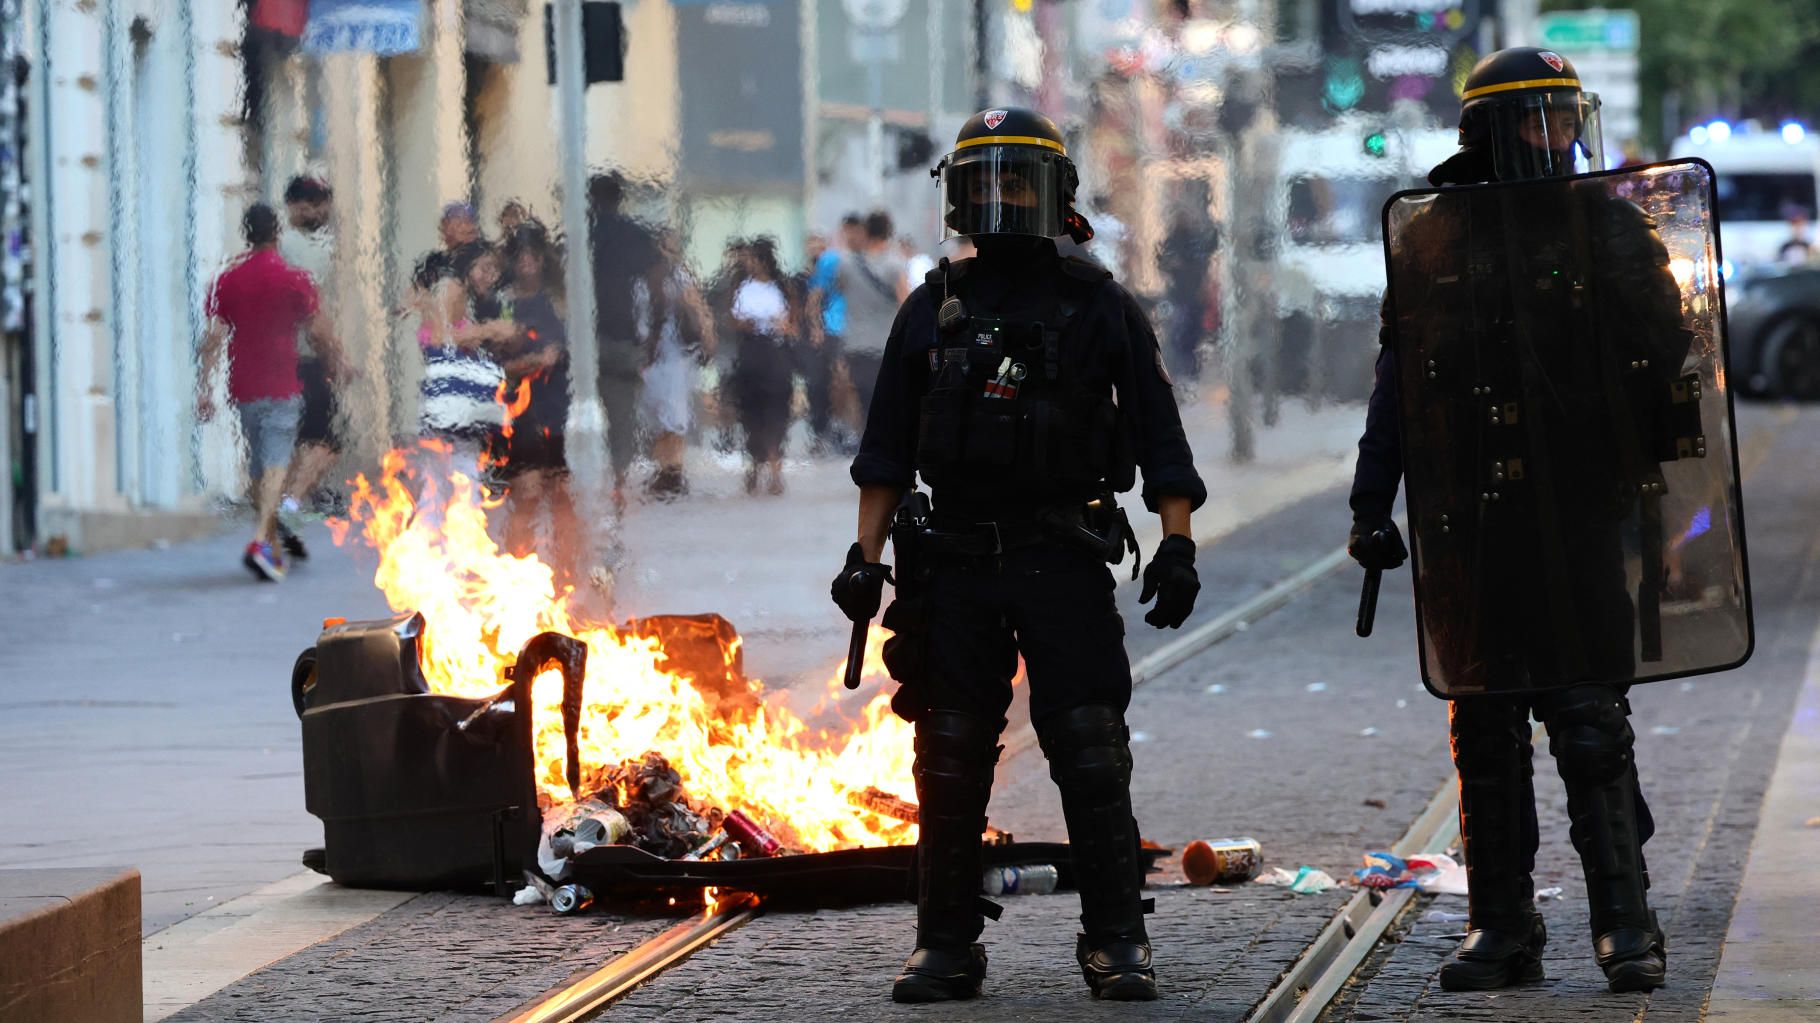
x,y
1292,731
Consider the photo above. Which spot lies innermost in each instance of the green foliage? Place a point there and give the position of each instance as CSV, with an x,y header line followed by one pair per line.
x,y
1732,58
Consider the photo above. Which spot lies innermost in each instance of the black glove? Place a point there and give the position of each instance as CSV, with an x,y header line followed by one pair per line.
x,y
860,586
1171,580
1376,543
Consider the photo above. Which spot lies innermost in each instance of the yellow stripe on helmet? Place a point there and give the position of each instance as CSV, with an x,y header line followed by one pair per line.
x,y
1011,140
1530,83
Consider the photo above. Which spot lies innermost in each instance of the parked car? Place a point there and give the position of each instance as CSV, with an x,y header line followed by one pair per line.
x,y
1773,324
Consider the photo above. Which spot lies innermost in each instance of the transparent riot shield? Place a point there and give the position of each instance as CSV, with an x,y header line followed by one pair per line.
x,y
1569,456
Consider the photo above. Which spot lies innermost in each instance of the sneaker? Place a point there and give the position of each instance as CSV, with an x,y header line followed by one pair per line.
x,y
290,520
292,543
667,485
263,561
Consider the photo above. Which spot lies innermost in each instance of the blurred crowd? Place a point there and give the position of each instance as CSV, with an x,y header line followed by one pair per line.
x,y
728,361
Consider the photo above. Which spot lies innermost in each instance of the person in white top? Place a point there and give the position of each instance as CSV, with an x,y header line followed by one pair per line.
x,y
762,378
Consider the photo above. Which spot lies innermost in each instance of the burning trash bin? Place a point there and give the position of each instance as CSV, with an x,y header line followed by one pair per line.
x,y
424,790
415,789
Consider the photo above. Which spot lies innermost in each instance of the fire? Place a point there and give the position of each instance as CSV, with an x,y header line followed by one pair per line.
x,y
482,605
516,404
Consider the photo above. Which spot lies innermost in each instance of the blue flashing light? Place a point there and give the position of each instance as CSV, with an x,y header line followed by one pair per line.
x,y
1793,132
1726,269
1719,131
1697,135
1702,523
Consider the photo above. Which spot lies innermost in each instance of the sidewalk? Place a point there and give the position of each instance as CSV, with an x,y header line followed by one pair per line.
x,y
1766,973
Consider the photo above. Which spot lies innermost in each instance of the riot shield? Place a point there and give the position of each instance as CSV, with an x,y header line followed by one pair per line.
x,y
1569,457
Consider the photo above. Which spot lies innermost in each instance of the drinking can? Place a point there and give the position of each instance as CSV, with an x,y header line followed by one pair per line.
x,y
1222,860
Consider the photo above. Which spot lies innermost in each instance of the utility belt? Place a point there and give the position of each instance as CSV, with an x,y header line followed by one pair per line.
x,y
1098,526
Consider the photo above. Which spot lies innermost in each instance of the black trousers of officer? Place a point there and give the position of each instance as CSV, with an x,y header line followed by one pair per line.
x,y
1592,742
1055,606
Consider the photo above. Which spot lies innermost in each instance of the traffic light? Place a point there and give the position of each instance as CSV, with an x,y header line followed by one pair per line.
x,y
1376,144
603,41
915,149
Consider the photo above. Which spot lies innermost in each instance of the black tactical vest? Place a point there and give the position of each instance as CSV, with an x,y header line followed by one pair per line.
x,y
1009,407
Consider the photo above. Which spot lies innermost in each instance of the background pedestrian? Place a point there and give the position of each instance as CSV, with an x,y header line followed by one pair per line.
x,y
532,457
762,381
678,328
872,279
625,251
255,309
309,245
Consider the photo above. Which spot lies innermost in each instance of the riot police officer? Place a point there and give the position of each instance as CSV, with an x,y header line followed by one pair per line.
x,y
1511,296
1026,390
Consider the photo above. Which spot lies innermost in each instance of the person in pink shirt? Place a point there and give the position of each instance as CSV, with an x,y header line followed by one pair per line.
x,y
255,309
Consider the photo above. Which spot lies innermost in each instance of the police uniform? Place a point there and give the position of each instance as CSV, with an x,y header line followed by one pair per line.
x,y
1534,605
1025,389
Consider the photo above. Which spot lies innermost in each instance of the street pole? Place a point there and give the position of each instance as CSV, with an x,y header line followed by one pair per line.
x,y
587,417
875,116
1520,22
982,62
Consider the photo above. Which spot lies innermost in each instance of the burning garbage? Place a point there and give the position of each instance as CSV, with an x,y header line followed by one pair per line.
x,y
489,733
643,805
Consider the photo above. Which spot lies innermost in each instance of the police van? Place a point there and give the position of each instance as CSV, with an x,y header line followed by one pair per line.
x,y
1332,188
1766,177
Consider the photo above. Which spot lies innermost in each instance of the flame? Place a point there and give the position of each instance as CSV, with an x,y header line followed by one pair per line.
x,y
481,606
515,405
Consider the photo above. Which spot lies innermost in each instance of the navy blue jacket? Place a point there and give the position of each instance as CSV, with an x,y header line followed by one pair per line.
x,y
1380,465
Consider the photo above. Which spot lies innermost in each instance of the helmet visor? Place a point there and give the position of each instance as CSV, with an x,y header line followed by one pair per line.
x,y
1011,189
1546,135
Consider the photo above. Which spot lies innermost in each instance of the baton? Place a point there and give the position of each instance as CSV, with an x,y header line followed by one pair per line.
x,y
856,653
1368,602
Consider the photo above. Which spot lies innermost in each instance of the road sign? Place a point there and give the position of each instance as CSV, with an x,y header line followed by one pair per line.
x,y
1598,29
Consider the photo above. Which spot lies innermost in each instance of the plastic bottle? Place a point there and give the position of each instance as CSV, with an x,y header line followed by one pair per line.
x,y
1037,879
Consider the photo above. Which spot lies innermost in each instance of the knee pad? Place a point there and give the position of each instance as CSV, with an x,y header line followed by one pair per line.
x,y
954,745
1489,738
1088,749
1590,736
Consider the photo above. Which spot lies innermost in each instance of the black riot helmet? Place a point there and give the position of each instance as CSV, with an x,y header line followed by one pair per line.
x,y
1524,108
1009,173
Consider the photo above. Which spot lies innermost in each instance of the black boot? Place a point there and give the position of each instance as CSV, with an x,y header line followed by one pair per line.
x,y
1497,955
1592,742
1505,934
955,755
1090,760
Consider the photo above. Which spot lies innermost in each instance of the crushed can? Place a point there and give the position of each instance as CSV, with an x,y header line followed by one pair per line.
x,y
598,823
1222,860
753,840
571,898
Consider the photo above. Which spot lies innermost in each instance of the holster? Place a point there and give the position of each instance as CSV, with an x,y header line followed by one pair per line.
x,y
1100,526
